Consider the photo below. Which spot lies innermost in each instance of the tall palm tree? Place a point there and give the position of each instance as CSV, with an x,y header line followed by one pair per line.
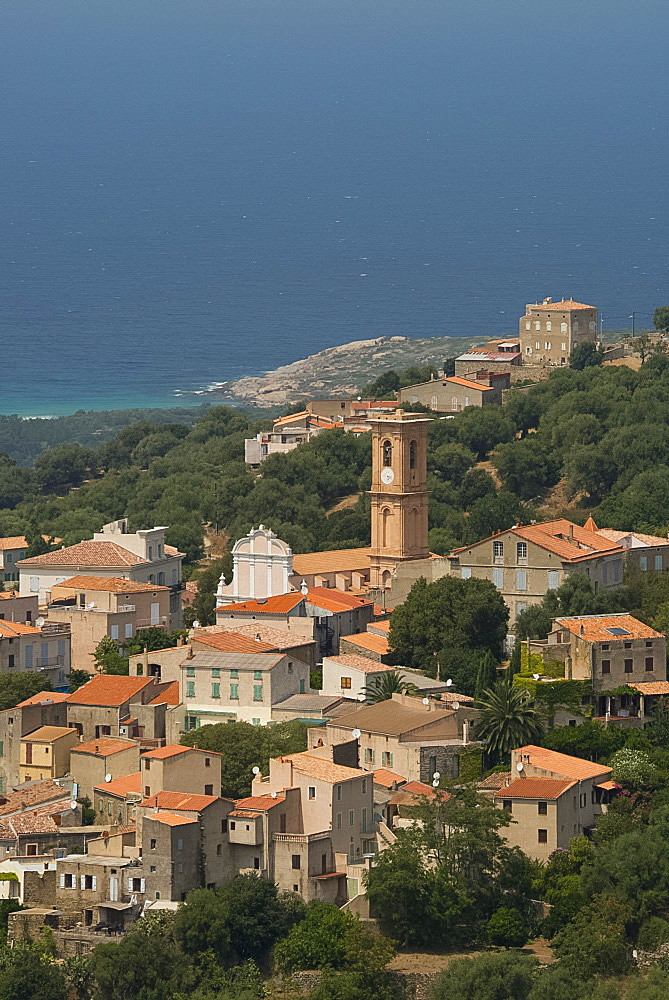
x,y
508,719
384,687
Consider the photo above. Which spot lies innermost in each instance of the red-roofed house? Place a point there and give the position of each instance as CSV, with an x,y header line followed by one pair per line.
x,y
91,762
181,769
110,705
525,562
451,395
46,708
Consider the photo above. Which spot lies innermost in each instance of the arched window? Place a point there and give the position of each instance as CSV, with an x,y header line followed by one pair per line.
x,y
387,453
385,516
386,578
412,455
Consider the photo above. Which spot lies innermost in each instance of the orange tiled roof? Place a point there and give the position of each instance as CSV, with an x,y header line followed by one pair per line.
x,y
468,384
126,785
651,687
171,819
111,584
594,628
535,788
243,814
561,763
382,626
279,604
331,599
418,788
104,746
322,769
495,781
47,734
563,305
9,630
367,640
230,642
260,802
108,689
569,541
34,794
162,753
617,536
355,662
608,786
279,638
87,553
10,595
387,778
379,610
179,801
169,696
44,698
333,561
13,542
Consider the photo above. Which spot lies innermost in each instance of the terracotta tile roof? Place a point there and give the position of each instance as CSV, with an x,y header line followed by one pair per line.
x,y
392,718
333,561
9,630
172,550
468,384
179,801
494,781
379,610
382,626
562,305
13,542
87,553
367,640
535,788
33,794
127,785
331,599
608,786
168,696
355,662
162,753
44,698
618,536
10,595
104,746
387,778
314,702
272,635
595,628
280,604
322,769
411,793
479,354
108,689
33,822
229,642
111,584
260,802
171,819
560,763
569,541
418,788
46,734
243,814
651,687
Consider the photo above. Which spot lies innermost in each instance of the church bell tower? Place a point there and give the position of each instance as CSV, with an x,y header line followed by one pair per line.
x,y
399,493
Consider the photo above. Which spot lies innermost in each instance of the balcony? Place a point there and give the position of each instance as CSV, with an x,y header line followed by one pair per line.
x,y
300,838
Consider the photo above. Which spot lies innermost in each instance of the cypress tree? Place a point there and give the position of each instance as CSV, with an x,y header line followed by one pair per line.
x,y
487,673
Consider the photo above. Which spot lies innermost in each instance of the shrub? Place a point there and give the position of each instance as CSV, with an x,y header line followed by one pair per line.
x,y
507,928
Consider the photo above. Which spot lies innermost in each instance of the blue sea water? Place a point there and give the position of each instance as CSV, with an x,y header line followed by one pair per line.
x,y
193,190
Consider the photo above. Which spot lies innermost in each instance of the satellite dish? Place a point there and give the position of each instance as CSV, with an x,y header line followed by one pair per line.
x,y
256,769
90,606
108,777
519,767
449,682
435,784
436,776
426,701
39,621
536,676
273,794
196,624
456,706
73,804
356,734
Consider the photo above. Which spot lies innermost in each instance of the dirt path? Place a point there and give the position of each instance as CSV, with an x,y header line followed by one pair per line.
x,y
435,961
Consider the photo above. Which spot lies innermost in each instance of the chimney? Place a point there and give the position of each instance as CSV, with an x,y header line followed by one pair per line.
x,y
146,661
571,531
465,731
194,746
190,653
581,630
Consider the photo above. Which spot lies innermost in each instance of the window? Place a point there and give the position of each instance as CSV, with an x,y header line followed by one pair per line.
x,y
520,607
658,562
351,817
208,789
563,327
628,666
147,764
114,631
68,882
364,786
649,643
542,808
434,402
296,862
582,800
216,690
507,805
528,326
190,689
605,645
538,346
2,748
627,645
537,326
234,673
180,845
649,663
387,759
34,584
128,630
592,326
643,563
387,453
11,659
346,682
312,791
207,761
257,675
498,551
215,671
234,692
412,455
257,692
339,821
521,579
564,345
575,326
190,671
338,793
548,345
255,722
153,843
498,578
363,820
549,325
542,836
466,573
606,666
521,552
528,350
29,658
370,756
552,579
468,401
454,403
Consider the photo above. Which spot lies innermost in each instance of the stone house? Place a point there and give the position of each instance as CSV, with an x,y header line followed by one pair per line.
x,y
45,753
494,356
312,708
181,769
172,862
46,708
253,637
549,331
116,801
12,551
46,649
94,607
527,561
109,705
286,611
452,395
100,886
91,762
14,608
115,552
336,613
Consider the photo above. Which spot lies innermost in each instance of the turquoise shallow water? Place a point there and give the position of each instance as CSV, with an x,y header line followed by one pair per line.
x,y
193,192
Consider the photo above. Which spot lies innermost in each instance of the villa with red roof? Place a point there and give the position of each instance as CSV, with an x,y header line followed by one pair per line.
x,y
549,331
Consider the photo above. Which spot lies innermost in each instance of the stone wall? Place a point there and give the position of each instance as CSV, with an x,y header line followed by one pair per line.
x,y
39,888
416,984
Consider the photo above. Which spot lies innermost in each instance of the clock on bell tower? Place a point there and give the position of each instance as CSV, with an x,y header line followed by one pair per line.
x,y
399,493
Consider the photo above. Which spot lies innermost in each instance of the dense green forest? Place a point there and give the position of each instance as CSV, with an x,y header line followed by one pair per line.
x,y
600,431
